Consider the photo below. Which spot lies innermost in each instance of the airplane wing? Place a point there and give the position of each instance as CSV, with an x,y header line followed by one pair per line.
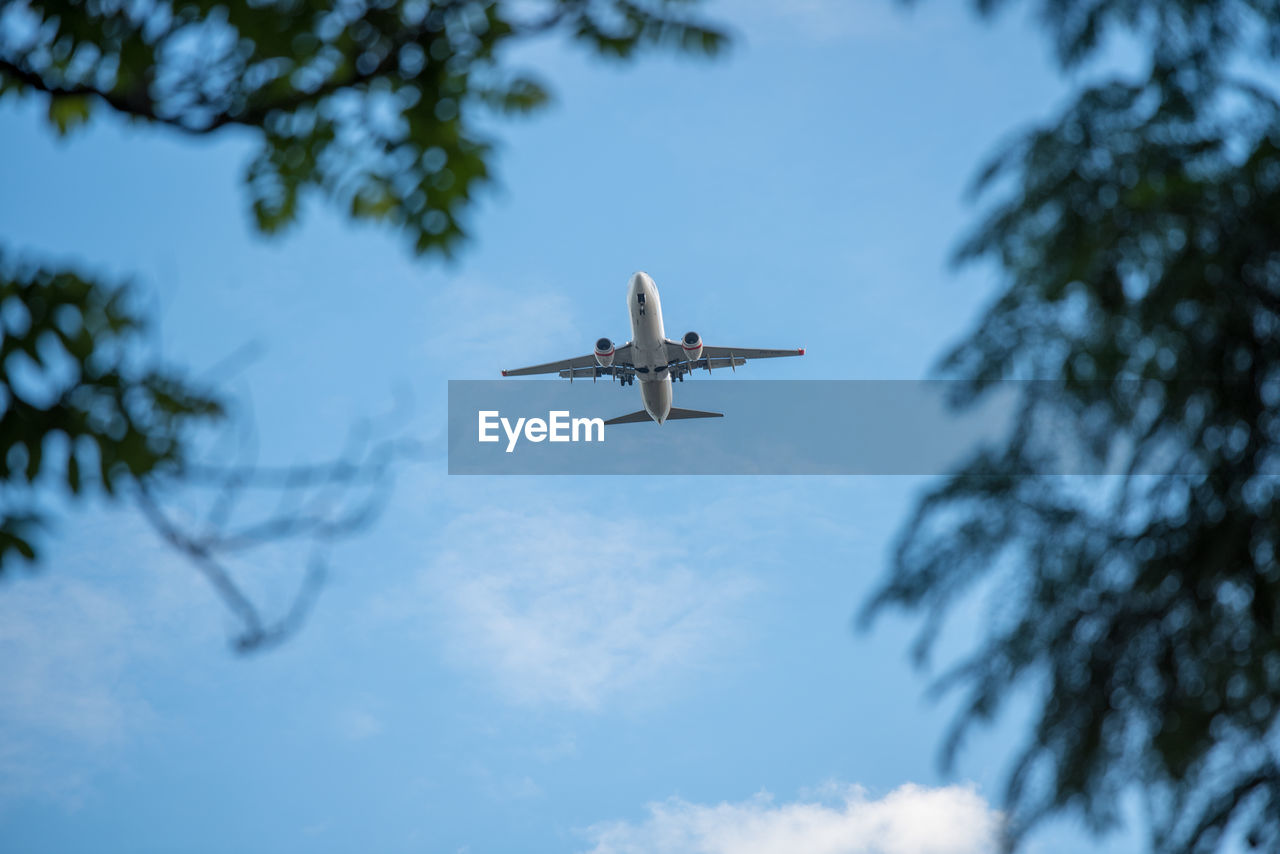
x,y
744,352
723,357
581,366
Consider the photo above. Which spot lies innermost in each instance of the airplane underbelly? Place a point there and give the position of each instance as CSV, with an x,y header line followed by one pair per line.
x,y
649,346
646,329
657,398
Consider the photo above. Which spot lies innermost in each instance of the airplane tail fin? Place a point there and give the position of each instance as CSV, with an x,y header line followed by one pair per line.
x,y
674,415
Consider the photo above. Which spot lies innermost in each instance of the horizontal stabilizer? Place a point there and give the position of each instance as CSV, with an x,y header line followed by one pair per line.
x,y
633,418
674,415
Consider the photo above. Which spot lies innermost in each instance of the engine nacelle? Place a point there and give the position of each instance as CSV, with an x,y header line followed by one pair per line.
x,y
692,344
604,352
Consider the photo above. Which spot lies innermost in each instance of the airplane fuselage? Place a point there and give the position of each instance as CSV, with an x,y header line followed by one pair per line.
x,y
649,346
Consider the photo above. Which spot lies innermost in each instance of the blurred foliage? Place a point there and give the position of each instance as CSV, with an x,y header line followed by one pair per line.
x,y
1137,238
372,102
75,409
375,104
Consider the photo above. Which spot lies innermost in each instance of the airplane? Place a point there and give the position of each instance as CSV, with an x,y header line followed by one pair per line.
x,y
652,357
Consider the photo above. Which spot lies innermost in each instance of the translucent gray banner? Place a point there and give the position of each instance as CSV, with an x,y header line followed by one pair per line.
x,y
769,427
845,427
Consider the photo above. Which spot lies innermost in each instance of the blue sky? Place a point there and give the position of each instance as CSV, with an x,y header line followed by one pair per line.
x,y
561,664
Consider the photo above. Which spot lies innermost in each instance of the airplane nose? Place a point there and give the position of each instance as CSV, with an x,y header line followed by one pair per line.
x,y
639,280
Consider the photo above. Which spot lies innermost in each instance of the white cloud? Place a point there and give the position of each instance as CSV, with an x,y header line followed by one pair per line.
x,y
359,724
60,656
477,328
821,20
909,820
107,599
505,788
570,608
64,648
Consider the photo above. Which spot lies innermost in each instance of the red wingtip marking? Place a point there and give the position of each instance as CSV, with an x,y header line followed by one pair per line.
x,y
801,353
504,373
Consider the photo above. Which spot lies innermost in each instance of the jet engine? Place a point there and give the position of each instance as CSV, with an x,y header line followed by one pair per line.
x,y
692,343
604,352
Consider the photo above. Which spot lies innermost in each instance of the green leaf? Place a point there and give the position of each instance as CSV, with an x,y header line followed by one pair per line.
x,y
24,548
73,473
68,112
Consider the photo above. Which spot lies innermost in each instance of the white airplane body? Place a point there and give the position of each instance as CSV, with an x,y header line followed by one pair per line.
x,y
652,358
